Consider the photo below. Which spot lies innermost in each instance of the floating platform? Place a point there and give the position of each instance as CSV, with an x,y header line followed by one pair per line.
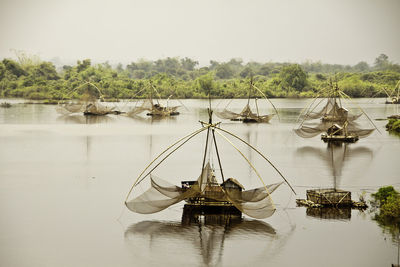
x,y
329,197
339,138
211,208
174,113
245,120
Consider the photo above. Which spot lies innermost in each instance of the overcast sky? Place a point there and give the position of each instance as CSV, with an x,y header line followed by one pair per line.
x,y
333,31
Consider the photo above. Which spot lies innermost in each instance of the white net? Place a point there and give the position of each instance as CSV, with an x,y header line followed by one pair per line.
x,y
256,203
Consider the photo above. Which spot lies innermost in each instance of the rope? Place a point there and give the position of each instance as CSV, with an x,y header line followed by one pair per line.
x,y
148,166
260,155
342,93
251,165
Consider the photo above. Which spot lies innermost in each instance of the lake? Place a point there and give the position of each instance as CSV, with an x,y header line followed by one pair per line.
x,y
64,179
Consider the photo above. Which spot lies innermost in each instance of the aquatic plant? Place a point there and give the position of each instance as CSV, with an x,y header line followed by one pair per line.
x,y
393,125
5,105
387,200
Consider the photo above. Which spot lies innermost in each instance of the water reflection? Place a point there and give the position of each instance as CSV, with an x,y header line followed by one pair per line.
x,y
334,156
85,119
151,119
330,213
206,234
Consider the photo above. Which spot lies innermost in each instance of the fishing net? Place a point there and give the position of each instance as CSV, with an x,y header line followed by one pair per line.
x,y
68,108
153,109
146,105
245,115
227,114
332,112
255,203
96,108
309,130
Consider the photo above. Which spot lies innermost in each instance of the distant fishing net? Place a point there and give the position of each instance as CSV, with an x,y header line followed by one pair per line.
x,y
146,105
69,108
331,112
309,130
245,114
95,108
255,203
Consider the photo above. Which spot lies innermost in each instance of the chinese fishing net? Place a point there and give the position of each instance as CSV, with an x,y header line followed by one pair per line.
x,y
255,203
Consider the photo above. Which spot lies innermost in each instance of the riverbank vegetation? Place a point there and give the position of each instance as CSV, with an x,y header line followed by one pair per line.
x,y
31,78
387,202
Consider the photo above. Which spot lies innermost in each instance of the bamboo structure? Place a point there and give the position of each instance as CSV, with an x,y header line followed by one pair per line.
x,y
154,109
205,193
247,115
333,121
89,104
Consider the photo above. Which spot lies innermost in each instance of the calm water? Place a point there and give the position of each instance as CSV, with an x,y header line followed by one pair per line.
x,y
63,181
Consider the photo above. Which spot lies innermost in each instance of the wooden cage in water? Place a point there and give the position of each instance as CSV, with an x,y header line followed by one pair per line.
x,y
330,197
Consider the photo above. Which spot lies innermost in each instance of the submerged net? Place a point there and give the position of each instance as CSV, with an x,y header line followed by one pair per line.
x,y
256,203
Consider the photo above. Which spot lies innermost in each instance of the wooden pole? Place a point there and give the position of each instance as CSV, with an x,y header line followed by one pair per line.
x,y
219,160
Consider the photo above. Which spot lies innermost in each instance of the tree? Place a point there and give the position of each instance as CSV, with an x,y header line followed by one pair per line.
x,y
382,62
2,71
14,67
46,70
246,72
213,64
81,66
120,68
131,67
361,66
293,77
224,71
188,64
206,84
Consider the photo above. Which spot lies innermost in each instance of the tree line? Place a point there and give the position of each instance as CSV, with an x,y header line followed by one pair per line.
x,y
31,78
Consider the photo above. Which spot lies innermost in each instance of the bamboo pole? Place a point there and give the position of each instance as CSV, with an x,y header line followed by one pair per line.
x,y
219,160
268,101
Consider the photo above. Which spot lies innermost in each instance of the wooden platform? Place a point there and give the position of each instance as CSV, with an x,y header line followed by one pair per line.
x,y
211,208
339,138
330,197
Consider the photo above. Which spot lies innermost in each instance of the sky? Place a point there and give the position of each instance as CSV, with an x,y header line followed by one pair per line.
x,y
331,31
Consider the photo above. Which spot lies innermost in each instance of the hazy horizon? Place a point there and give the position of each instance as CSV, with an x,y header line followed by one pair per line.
x,y
334,32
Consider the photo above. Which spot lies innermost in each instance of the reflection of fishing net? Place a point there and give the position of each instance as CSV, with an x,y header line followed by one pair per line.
x,y
245,114
255,203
